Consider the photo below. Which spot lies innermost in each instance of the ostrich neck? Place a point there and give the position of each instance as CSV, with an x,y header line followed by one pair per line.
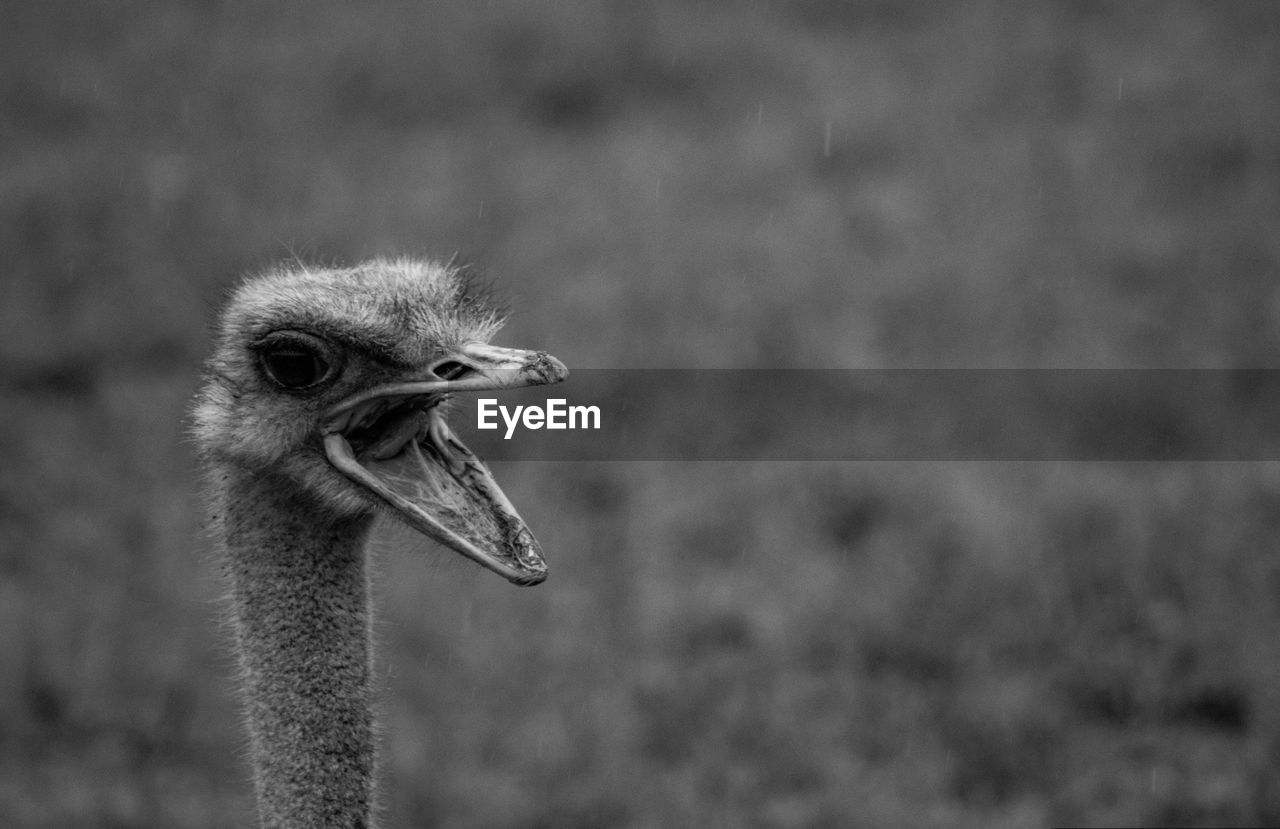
x,y
301,615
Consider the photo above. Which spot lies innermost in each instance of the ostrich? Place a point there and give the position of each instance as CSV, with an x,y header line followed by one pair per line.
x,y
322,404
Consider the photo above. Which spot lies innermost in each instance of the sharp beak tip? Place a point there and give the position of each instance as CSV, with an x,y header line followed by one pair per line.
x,y
547,368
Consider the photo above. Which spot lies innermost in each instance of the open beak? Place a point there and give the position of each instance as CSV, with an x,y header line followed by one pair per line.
x,y
393,441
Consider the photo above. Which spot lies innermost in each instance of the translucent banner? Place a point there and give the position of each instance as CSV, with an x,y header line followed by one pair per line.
x,y
849,415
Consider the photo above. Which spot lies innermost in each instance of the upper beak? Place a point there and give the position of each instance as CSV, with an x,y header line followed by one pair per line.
x,y
452,497
492,368
508,368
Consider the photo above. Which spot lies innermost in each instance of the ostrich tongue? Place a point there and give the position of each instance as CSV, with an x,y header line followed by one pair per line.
x,y
397,445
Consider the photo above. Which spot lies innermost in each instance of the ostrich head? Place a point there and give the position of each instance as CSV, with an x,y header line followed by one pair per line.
x,y
334,381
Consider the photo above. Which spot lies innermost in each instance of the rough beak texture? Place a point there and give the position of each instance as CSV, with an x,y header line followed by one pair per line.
x,y
394,442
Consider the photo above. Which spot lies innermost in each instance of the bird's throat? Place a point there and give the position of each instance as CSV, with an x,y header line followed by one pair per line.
x,y
300,606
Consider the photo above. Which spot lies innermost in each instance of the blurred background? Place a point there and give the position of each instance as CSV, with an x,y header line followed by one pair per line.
x,y
673,184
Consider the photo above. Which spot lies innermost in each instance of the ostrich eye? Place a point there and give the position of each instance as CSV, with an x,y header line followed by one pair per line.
x,y
295,368
295,364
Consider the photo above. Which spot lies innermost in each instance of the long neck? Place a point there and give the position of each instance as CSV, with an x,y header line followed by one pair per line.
x,y
301,614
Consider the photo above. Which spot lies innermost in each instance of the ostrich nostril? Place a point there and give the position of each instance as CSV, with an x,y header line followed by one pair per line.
x,y
450,370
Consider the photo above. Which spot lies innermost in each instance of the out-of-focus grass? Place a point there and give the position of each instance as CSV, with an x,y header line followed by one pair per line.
x,y
689,184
